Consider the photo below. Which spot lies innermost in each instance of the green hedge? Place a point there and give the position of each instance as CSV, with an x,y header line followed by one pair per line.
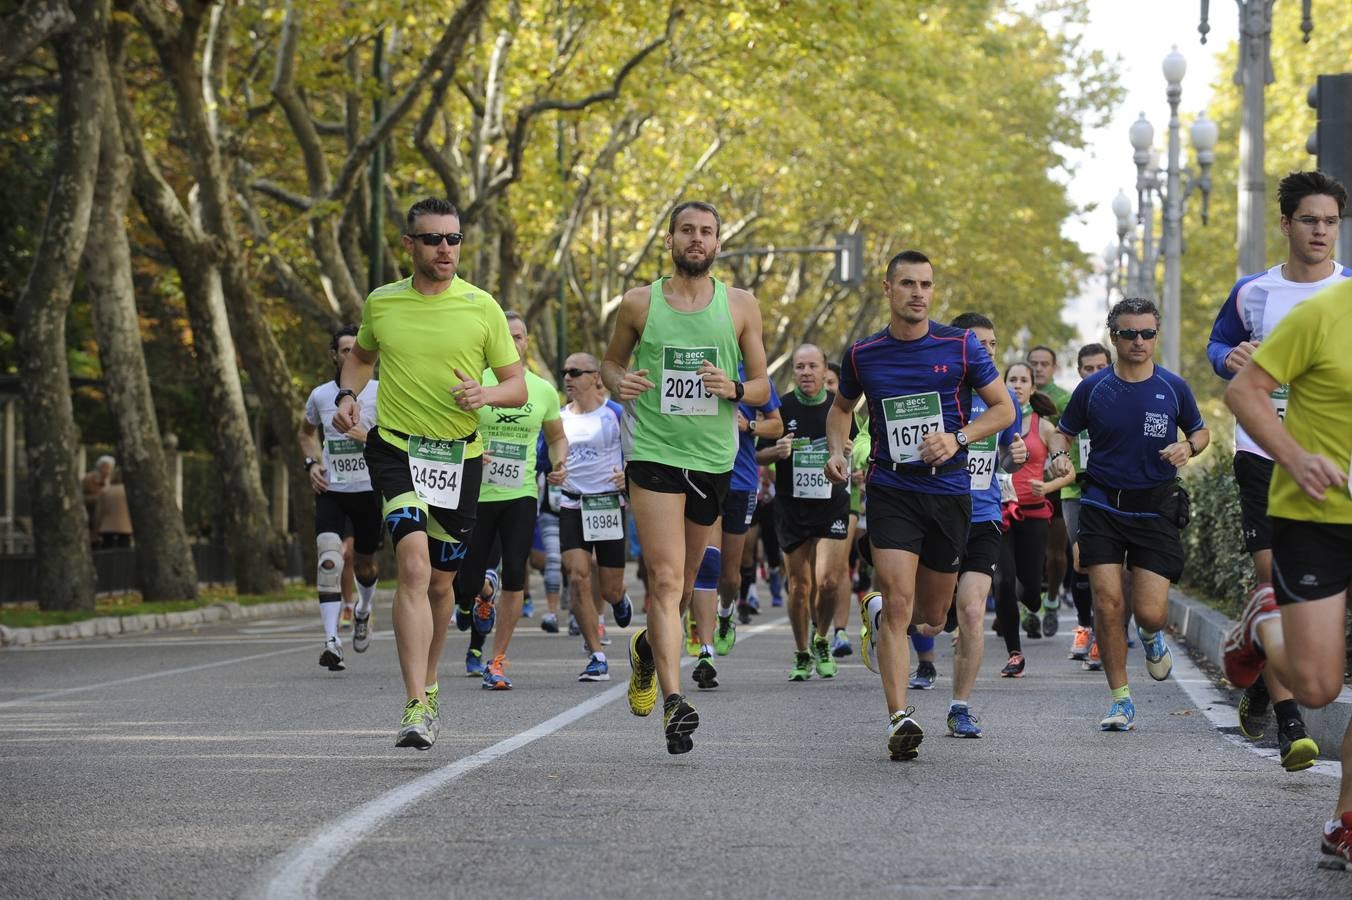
x,y
1218,570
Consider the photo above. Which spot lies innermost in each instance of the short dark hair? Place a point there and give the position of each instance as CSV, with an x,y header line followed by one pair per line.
x,y
1037,347
972,320
1089,350
699,205
1296,186
834,367
513,315
345,331
431,206
906,257
1042,404
1132,306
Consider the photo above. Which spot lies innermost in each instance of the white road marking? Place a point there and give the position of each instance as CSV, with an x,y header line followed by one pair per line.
x,y
300,872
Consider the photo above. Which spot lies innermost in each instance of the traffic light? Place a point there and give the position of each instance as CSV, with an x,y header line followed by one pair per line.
x,y
849,270
1331,142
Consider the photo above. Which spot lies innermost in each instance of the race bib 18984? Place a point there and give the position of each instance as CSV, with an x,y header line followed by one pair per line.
x,y
437,469
601,518
683,393
908,420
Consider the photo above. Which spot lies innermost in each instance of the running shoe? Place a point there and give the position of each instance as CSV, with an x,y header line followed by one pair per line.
x,y
1079,646
624,611
601,633
752,601
802,666
433,704
464,615
1159,661
345,617
1336,847
826,663
1253,710
1243,659
961,722
870,609
527,608
725,635
474,663
691,636
1298,749
840,646
332,657
705,675
361,632
1121,716
679,719
904,735
549,623
1050,622
776,581
597,670
574,629
642,679
1032,625
413,730
925,673
744,613
485,613
494,678
1013,668
1092,662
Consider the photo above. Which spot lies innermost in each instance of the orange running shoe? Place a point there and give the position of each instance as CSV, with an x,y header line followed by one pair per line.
x,y
1079,648
1092,663
494,679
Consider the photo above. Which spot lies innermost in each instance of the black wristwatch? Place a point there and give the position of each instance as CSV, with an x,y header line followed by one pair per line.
x,y
344,392
738,391
310,461
961,437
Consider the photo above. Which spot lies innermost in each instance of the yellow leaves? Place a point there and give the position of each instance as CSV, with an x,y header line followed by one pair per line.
x,y
736,20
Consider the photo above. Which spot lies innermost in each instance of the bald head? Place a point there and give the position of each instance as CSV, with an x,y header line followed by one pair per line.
x,y
809,369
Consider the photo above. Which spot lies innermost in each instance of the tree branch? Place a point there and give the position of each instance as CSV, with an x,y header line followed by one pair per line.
x,y
36,22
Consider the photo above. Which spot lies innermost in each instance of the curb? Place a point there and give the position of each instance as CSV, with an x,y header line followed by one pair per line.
x,y
113,626
1204,630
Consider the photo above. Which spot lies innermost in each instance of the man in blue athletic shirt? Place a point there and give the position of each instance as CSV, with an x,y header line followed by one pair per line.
x,y
1130,505
917,377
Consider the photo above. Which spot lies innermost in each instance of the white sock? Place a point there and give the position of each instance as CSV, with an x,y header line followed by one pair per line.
x,y
724,611
365,594
601,620
706,648
598,655
956,704
329,613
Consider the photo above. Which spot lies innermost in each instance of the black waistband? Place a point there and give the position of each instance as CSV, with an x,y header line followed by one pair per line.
x,y
908,470
468,439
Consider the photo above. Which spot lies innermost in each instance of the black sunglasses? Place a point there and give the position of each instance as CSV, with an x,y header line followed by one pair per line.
x,y
1130,334
434,239
574,373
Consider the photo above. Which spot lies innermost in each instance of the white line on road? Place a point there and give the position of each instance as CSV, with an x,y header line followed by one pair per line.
x,y
48,695
300,872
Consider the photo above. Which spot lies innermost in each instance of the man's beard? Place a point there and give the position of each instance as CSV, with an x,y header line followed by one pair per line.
x,y
693,269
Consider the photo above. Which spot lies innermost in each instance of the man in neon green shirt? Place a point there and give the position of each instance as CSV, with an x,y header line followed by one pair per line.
x,y
688,331
430,332
1297,626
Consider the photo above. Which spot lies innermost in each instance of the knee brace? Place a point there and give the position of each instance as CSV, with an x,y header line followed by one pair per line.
x,y
706,579
329,578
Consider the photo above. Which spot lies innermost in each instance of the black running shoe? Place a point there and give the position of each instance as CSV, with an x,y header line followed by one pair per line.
x,y
1253,710
1299,751
1032,625
904,736
680,720
705,675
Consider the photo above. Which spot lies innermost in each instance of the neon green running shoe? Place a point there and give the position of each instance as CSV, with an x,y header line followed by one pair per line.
x,y
642,679
802,666
413,727
433,719
691,636
826,663
870,608
725,635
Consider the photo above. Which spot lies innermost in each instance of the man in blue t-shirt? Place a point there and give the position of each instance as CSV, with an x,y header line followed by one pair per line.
x,y
1131,503
917,377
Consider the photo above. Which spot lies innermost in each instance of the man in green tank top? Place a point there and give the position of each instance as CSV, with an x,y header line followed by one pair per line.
x,y
686,334
434,333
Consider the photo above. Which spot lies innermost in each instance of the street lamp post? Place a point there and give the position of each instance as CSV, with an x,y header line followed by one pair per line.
x,y
1173,194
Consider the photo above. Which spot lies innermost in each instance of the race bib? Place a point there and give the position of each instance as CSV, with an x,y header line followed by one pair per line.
x,y
506,464
437,469
908,420
981,462
1082,448
809,476
683,393
554,497
1279,400
601,518
346,461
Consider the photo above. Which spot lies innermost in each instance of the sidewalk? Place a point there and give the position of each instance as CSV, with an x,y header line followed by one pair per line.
x,y
1204,630
112,626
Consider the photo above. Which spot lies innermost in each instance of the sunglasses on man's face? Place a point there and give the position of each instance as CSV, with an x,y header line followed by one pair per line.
x,y
578,373
434,238
1130,334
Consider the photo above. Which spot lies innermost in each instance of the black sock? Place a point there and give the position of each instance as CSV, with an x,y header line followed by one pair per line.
x,y
1285,711
645,650
748,574
477,640
1084,600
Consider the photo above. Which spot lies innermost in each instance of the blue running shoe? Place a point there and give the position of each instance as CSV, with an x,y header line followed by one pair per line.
x,y
961,722
474,663
1121,716
624,611
494,678
597,670
923,679
1159,662
527,608
463,617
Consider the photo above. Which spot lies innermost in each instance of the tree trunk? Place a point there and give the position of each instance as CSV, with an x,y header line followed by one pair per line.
x,y
164,563
65,570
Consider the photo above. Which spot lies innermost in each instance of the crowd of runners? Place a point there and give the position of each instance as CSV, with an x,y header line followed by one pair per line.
x,y
913,480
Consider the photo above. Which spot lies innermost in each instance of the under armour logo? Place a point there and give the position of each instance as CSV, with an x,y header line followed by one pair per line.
x,y
941,368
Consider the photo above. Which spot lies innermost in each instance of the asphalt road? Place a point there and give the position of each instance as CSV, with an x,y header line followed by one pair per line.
x,y
226,763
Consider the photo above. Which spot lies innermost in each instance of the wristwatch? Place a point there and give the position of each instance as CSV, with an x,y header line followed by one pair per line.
x,y
751,426
310,461
961,438
739,391
344,392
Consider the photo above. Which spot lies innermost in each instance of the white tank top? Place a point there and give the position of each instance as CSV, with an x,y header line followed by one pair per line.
x,y
593,453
